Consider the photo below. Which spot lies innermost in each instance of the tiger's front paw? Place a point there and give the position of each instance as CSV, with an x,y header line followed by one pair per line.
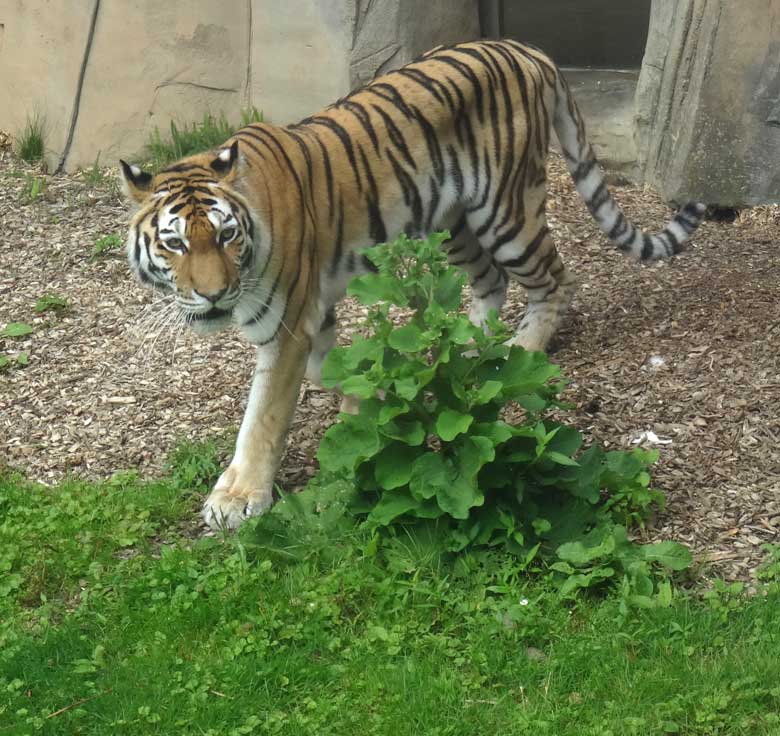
x,y
234,500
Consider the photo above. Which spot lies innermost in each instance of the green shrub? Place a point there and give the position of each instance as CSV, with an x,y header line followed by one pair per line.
x,y
186,140
433,439
30,143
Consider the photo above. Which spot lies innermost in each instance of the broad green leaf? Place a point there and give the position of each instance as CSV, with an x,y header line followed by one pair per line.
x,y
670,554
462,332
16,329
411,432
582,553
522,372
407,339
22,358
560,459
392,505
358,386
487,392
567,440
449,424
392,408
429,473
373,287
497,432
393,467
407,388
472,453
348,443
459,497
449,288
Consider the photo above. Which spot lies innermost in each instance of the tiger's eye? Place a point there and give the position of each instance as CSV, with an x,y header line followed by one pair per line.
x,y
227,235
174,244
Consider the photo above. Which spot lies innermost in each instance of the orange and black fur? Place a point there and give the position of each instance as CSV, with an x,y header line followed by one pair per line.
x,y
265,233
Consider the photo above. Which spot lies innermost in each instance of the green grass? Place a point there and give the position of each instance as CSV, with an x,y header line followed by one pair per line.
x,y
51,303
106,244
34,186
185,140
30,143
114,621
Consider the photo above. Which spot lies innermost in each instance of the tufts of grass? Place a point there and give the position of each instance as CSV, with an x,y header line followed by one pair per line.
x,y
94,175
52,303
30,143
185,140
33,187
106,244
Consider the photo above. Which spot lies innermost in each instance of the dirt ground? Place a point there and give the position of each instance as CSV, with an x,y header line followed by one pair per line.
x,y
685,350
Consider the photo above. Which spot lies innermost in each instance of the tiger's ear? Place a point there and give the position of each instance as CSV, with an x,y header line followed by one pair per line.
x,y
225,162
136,184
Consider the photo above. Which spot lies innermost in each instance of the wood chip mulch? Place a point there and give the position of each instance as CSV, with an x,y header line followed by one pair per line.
x,y
680,355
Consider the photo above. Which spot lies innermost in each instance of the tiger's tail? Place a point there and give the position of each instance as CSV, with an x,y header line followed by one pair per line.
x,y
592,186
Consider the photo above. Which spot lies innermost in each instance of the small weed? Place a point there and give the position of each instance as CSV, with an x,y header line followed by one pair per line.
x,y
30,143
94,176
33,187
51,302
106,244
14,361
16,329
186,140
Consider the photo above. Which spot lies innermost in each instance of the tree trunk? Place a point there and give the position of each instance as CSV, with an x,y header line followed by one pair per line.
x,y
708,101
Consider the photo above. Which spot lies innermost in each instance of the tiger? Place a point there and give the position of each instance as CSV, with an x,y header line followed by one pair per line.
x,y
266,231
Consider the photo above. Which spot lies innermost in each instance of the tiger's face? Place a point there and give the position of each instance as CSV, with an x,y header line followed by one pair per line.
x,y
192,235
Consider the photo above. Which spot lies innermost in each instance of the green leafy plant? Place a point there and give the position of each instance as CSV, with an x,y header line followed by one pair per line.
x,y
14,361
185,140
106,244
30,143
434,437
51,302
16,329
33,187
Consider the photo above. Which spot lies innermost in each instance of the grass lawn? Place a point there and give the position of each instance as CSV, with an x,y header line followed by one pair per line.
x,y
114,621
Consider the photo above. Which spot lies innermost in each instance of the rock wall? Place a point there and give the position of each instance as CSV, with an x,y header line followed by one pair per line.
x,y
103,75
708,101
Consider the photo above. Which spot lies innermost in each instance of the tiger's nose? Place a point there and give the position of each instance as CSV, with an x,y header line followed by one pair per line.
x,y
213,298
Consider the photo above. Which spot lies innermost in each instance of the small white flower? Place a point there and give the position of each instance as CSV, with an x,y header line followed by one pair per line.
x,y
524,601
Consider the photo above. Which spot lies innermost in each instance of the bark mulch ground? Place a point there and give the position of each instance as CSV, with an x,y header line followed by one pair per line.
x,y
683,354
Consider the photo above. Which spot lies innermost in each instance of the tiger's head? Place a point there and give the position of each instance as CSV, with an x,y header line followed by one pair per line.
x,y
192,234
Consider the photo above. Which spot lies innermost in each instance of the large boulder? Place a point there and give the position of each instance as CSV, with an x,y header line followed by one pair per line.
x,y
708,101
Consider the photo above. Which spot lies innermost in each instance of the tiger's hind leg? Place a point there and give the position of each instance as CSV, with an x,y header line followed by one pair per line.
x,y
530,258
535,264
487,280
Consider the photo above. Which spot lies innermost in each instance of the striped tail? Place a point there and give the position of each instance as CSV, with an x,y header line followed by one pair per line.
x,y
590,183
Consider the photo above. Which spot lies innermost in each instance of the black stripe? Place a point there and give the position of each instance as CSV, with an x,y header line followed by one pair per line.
x,y
396,137
410,191
376,226
647,247
433,203
531,248
470,75
346,142
390,94
334,264
365,120
455,171
432,142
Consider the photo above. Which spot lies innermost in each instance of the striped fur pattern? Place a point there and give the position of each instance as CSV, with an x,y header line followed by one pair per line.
x,y
265,233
